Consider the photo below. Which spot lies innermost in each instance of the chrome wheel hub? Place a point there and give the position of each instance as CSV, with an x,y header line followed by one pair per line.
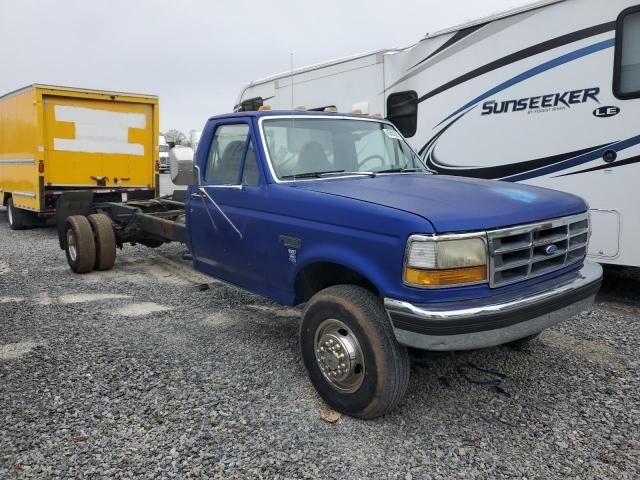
x,y
71,245
339,356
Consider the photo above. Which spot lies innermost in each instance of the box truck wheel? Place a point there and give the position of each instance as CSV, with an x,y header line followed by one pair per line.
x,y
18,218
79,244
105,241
350,351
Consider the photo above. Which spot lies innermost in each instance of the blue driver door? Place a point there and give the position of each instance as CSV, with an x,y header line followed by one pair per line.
x,y
225,226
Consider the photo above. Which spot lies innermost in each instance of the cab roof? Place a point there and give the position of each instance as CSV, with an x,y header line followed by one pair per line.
x,y
300,113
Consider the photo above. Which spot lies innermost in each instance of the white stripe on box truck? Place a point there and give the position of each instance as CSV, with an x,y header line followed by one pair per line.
x,y
99,131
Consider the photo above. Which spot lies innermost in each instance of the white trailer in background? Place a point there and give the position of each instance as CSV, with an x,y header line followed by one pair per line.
x,y
163,148
547,94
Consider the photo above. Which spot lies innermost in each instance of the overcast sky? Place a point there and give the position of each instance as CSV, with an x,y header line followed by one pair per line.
x,y
196,54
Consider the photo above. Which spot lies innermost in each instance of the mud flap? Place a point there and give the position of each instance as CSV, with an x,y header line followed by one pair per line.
x,y
71,203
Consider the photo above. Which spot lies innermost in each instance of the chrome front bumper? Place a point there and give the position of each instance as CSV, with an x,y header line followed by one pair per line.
x,y
495,320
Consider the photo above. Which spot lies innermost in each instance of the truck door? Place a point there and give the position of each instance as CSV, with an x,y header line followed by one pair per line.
x,y
225,227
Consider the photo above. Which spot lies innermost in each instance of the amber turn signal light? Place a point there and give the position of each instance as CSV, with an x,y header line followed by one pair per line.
x,y
436,278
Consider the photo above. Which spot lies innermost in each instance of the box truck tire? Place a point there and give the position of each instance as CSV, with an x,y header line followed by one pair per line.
x,y
18,218
79,244
105,241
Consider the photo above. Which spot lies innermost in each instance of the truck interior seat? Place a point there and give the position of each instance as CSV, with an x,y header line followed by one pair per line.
x,y
313,159
228,165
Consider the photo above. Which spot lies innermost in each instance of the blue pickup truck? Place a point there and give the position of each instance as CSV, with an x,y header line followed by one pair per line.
x,y
338,213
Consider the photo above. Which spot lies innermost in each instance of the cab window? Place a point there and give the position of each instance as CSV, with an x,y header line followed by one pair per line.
x,y
231,145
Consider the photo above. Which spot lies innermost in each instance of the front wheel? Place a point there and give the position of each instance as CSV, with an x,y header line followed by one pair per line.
x,y
352,356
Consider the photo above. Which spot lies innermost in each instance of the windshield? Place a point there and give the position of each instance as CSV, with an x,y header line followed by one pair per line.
x,y
314,147
164,148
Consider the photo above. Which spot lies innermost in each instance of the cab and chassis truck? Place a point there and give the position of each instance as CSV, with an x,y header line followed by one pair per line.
x,y
338,213
57,139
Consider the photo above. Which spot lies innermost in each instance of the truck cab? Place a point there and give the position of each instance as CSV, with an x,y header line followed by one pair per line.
x,y
337,212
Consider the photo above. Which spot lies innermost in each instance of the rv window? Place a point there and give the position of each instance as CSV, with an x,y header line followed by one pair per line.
x,y
402,111
627,74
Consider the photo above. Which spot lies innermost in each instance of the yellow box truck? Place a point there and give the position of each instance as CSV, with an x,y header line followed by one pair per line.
x,y
55,139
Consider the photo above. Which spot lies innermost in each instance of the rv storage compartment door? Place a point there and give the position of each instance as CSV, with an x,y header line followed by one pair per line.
x,y
605,237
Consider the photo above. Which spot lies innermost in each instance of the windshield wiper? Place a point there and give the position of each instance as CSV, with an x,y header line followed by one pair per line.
x,y
401,170
311,174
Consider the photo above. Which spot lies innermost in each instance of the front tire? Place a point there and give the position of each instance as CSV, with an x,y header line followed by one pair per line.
x,y
350,351
79,244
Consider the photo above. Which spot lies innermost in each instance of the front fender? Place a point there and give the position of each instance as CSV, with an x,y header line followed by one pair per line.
x,y
363,262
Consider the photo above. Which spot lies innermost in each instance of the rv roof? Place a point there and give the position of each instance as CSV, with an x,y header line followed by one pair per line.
x,y
316,66
337,61
495,16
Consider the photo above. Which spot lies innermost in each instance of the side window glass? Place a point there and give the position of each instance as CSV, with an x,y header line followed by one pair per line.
x,y
627,83
402,111
250,175
225,156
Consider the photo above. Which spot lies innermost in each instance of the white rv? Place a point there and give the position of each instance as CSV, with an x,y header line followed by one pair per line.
x,y
547,94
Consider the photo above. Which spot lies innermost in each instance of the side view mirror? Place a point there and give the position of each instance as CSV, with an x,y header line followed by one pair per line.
x,y
181,165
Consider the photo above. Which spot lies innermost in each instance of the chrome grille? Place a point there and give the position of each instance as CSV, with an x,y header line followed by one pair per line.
x,y
529,251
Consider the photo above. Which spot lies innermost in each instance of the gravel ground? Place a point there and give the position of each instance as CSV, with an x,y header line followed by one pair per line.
x,y
138,372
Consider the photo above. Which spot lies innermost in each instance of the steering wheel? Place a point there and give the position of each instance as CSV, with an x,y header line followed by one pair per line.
x,y
369,159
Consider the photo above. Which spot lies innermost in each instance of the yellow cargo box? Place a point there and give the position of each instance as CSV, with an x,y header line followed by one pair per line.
x,y
55,139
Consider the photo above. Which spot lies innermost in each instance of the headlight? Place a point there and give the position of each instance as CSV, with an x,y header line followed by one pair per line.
x,y
432,262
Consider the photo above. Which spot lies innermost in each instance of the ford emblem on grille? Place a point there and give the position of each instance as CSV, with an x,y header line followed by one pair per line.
x,y
551,249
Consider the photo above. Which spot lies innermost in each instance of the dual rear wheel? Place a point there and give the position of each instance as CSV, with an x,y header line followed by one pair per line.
x,y
90,243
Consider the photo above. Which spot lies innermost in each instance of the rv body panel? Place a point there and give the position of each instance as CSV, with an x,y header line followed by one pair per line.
x,y
528,96
347,84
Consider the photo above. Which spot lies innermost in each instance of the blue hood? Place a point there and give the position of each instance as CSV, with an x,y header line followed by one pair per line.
x,y
455,204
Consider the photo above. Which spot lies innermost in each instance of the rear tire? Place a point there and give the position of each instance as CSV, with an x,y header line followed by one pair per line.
x,y
79,244
105,241
18,218
350,351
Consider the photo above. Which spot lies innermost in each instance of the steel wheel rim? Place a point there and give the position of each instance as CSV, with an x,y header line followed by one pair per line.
x,y
339,356
10,214
71,245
